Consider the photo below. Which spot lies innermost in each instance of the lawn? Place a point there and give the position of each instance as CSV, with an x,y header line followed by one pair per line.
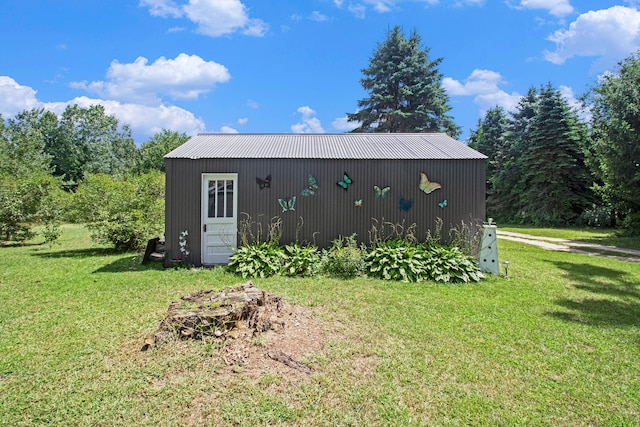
x,y
557,343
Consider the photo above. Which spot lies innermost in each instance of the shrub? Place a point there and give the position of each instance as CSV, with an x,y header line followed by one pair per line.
x,y
256,260
597,216
343,258
300,260
125,212
450,264
396,260
25,201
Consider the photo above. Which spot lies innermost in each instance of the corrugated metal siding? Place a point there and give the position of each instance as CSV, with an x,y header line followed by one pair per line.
x,y
325,146
331,213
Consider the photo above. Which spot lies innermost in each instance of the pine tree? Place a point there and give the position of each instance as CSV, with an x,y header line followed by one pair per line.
x,y
554,179
491,139
536,167
405,91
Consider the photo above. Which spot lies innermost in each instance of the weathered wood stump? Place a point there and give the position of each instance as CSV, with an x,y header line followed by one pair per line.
x,y
209,313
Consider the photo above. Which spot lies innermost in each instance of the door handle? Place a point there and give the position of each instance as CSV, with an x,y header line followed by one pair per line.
x,y
204,228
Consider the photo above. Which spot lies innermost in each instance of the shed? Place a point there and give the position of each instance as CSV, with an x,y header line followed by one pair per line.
x,y
319,186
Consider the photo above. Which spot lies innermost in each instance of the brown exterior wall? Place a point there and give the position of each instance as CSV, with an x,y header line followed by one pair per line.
x,y
331,213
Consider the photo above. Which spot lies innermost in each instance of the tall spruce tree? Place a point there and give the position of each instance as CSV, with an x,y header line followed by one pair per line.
x,y
615,136
491,139
536,167
405,90
555,181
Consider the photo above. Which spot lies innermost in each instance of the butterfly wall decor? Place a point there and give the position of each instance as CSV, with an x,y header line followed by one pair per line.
x,y
264,183
381,192
443,204
426,185
312,187
346,181
357,203
287,205
404,204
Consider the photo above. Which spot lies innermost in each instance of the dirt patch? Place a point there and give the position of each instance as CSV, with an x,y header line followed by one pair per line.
x,y
253,331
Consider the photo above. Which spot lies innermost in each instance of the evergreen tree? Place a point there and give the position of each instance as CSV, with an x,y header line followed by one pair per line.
x,y
491,139
536,167
555,181
405,90
615,136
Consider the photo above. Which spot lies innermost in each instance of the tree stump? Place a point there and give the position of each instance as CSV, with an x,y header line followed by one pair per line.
x,y
209,313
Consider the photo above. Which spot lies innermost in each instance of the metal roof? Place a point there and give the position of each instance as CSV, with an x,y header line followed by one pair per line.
x,y
325,146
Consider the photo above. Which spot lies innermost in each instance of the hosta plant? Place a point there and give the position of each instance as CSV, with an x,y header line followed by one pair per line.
x,y
396,260
256,260
450,264
300,260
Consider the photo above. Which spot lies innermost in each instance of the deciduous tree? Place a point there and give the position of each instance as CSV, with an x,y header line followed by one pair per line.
x,y
150,155
615,137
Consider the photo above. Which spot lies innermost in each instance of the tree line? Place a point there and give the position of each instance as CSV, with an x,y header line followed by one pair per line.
x,y
81,166
546,165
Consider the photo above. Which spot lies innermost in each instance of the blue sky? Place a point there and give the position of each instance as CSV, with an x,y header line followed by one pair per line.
x,y
256,66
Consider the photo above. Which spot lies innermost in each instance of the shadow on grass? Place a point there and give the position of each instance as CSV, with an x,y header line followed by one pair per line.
x,y
615,301
78,253
129,263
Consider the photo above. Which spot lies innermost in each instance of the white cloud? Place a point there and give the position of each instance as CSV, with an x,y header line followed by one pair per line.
x,y
610,34
253,104
557,8
144,120
15,98
358,11
243,120
341,124
309,123
228,129
358,8
185,77
484,86
583,111
213,17
318,17
162,8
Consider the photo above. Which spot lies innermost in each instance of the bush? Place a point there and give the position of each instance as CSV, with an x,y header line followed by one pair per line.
x,y
450,264
597,216
400,260
300,260
396,260
25,201
256,260
125,212
343,259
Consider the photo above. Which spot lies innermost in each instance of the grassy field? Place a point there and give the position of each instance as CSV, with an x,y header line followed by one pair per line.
x,y
557,343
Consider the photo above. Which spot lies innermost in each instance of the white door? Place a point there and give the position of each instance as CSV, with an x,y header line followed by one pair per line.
x,y
219,217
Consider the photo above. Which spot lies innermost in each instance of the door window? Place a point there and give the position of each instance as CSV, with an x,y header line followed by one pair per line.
x,y
220,204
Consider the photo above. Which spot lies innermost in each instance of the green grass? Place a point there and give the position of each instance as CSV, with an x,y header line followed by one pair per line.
x,y
558,343
600,236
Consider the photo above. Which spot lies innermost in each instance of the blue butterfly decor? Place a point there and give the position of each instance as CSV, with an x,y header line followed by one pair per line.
x,y
346,181
381,192
287,205
443,204
404,204
312,187
357,203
